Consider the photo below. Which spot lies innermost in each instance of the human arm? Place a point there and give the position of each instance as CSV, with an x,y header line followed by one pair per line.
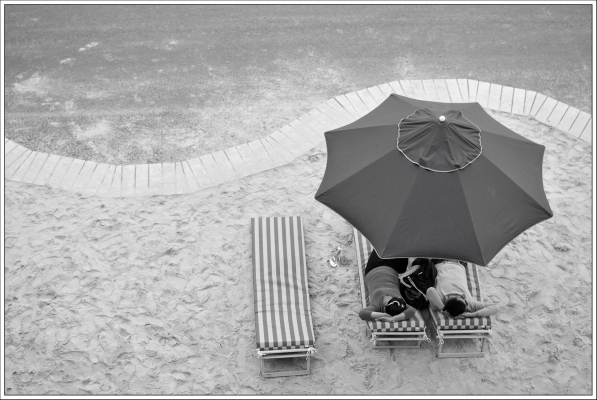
x,y
369,314
435,299
480,309
406,314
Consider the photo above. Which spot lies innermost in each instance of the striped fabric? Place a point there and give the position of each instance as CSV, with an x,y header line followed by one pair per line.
x,y
364,249
281,292
444,321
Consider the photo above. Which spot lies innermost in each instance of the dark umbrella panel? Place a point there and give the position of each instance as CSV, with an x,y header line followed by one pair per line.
x,y
429,179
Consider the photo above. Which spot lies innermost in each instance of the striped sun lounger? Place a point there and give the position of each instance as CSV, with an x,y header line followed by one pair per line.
x,y
410,332
283,325
463,328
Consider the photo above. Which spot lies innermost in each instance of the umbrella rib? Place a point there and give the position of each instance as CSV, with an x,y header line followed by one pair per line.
x,y
409,190
365,166
471,218
344,128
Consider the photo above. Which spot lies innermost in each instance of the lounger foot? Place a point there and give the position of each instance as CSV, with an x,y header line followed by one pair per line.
x,y
444,354
398,341
272,374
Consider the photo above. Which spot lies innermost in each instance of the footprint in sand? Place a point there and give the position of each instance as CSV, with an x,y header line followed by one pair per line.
x,y
180,375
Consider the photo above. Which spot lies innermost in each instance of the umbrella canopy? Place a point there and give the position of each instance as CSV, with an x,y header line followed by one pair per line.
x,y
429,179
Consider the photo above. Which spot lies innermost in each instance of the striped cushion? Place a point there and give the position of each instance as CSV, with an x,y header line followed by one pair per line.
x,y
444,321
281,292
364,249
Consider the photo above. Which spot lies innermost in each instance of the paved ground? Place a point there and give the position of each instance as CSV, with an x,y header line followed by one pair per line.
x,y
144,84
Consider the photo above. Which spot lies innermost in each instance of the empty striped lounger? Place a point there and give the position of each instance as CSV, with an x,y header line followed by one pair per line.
x,y
463,328
403,334
283,325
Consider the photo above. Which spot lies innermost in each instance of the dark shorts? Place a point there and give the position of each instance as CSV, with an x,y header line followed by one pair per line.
x,y
397,264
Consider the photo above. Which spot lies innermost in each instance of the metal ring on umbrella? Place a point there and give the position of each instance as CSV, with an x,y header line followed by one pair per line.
x,y
440,141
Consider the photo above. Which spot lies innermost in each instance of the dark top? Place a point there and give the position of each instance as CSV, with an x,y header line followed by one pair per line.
x,y
397,264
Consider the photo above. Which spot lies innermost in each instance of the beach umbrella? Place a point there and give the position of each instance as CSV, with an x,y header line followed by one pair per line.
x,y
430,179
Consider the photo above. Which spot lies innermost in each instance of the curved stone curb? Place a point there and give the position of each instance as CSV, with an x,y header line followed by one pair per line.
x,y
282,146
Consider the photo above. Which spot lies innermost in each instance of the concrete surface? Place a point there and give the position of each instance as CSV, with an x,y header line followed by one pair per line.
x,y
133,84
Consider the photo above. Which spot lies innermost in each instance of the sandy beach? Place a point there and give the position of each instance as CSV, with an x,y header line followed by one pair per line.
x,y
153,295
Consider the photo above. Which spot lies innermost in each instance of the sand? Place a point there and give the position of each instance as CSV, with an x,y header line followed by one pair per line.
x,y
154,295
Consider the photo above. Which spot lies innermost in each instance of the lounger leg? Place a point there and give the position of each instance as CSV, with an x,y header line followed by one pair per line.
x,y
306,371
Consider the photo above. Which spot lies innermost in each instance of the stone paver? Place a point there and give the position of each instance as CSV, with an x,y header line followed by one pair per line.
x,y
192,184
324,121
84,176
275,151
367,99
418,89
529,100
441,88
579,125
280,147
495,94
96,179
265,160
34,168
343,100
225,166
518,101
377,94
17,153
317,132
303,145
357,103
71,174
406,87
249,158
10,170
557,114
8,146
128,181
507,98
212,168
103,189
430,91
537,104
586,134
347,117
386,90
237,162
483,94
464,92
568,119
473,89
306,133
285,142
339,119
454,91
46,171
23,167
60,171
154,179
115,187
545,111
182,186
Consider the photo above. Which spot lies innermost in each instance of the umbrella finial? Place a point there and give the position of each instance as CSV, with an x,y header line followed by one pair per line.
x,y
442,118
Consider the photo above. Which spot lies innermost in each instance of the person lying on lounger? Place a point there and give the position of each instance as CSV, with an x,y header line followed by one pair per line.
x,y
386,302
451,293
